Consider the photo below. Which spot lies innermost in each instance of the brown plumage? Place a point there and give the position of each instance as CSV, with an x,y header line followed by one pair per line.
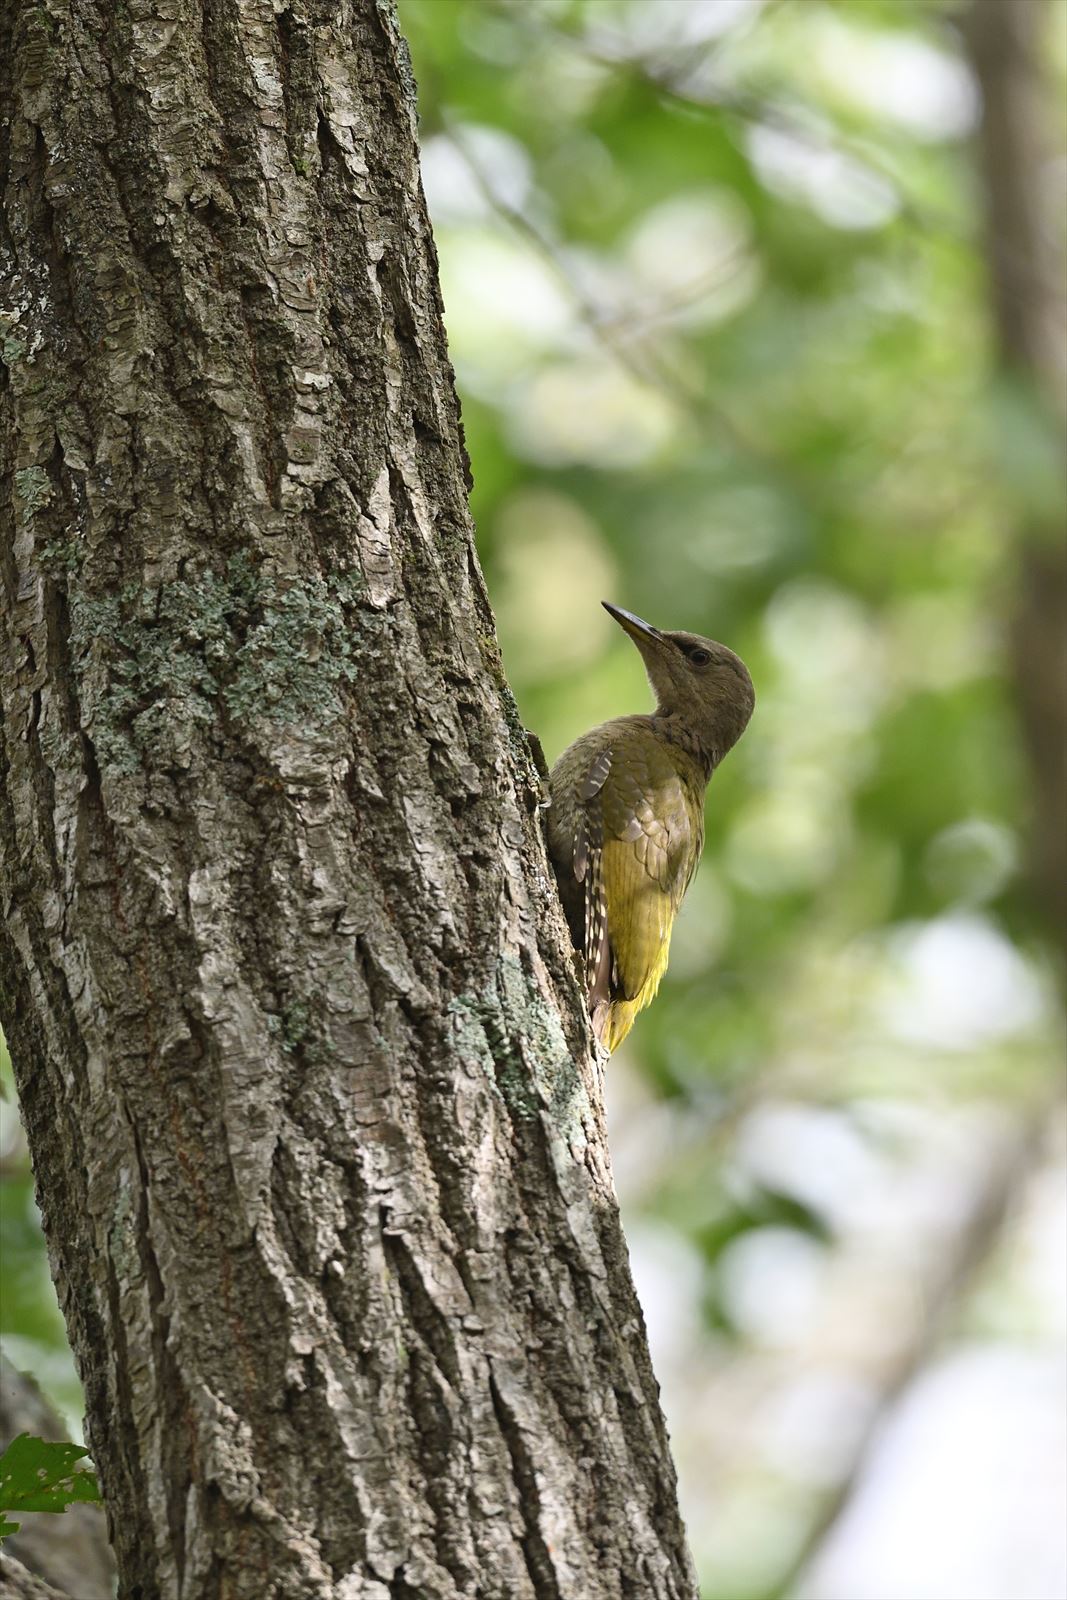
x,y
626,820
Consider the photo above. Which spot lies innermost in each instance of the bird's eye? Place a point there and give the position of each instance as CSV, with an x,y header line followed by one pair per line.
x,y
699,658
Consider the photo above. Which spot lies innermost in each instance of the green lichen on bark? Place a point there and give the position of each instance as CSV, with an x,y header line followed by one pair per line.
x,y
61,557
479,1036
262,648
297,653
296,1030
122,1233
33,490
519,1040
538,1024
12,348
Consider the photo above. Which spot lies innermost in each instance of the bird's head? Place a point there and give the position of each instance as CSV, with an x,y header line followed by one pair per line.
x,y
700,685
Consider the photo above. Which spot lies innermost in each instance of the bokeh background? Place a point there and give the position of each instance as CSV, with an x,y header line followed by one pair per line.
x,y
755,335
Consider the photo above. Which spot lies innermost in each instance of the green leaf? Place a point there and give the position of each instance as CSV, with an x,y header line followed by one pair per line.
x,y
767,1208
39,1475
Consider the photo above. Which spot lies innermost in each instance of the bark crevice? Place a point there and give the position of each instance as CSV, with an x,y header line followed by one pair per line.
x,y
535,1548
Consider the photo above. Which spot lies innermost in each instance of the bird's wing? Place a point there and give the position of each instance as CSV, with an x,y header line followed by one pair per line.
x,y
636,847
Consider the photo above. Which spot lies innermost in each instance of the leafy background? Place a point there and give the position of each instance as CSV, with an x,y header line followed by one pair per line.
x,y
718,301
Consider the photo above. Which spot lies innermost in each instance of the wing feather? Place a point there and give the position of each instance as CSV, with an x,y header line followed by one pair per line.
x,y
635,841
648,858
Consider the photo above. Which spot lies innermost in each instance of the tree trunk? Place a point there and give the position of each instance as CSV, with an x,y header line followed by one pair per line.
x,y
301,1054
1006,47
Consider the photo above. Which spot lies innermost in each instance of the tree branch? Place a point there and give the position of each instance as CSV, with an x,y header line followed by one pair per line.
x,y
992,1204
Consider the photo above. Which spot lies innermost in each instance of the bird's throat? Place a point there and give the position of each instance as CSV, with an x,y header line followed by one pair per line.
x,y
675,730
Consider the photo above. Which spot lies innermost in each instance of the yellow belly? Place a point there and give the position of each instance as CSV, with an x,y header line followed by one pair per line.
x,y
620,1015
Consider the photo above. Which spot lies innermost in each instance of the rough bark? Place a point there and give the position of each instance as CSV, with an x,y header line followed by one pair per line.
x,y
300,1051
1022,186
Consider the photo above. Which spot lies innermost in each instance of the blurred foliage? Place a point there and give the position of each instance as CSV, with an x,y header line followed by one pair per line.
x,y
716,297
718,308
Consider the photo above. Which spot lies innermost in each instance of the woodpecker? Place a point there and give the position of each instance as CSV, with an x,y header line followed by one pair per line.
x,y
625,821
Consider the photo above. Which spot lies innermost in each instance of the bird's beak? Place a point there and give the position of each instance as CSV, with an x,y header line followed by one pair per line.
x,y
657,651
639,630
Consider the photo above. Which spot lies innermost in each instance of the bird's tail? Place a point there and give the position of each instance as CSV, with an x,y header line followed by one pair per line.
x,y
618,1019
613,1018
